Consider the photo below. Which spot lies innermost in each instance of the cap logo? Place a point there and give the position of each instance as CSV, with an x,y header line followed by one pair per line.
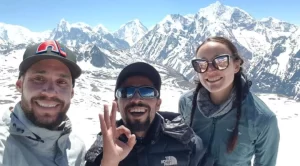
x,y
55,47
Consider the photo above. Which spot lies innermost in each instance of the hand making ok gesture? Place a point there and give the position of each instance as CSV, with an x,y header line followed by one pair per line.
x,y
114,150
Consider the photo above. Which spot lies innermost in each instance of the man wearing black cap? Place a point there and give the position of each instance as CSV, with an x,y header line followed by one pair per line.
x,y
143,137
37,131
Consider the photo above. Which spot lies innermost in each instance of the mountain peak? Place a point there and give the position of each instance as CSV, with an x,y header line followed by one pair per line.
x,y
172,22
189,16
131,32
134,22
172,18
278,25
270,19
63,20
101,29
218,12
137,21
217,4
63,25
83,24
168,18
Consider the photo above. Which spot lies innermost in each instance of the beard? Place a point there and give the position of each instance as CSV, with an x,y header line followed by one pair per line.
x,y
137,125
46,121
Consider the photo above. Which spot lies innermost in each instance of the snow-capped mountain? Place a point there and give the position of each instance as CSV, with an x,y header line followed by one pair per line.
x,y
14,34
269,46
131,32
78,34
75,35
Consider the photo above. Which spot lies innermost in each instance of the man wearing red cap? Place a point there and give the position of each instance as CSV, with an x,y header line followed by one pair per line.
x,y
37,131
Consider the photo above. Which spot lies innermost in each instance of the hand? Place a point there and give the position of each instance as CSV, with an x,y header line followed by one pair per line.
x,y
114,150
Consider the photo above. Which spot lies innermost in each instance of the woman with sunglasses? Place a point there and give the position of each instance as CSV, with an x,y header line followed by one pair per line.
x,y
233,122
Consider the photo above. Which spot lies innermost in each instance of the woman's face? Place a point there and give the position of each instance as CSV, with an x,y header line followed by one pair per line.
x,y
214,80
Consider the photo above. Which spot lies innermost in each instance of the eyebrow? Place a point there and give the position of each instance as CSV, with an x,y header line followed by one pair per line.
x,y
39,72
44,72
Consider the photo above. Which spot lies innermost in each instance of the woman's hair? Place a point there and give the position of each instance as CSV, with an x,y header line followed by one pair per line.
x,y
237,84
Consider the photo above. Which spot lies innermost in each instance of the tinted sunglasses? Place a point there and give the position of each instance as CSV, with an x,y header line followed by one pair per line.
x,y
220,62
144,91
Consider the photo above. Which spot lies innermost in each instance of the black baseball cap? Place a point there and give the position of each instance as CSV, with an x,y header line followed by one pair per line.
x,y
50,49
139,69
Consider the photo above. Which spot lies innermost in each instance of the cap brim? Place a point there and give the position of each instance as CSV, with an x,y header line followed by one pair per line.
x,y
73,67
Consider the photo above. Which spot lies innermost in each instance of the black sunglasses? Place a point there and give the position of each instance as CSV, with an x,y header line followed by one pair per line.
x,y
220,62
144,91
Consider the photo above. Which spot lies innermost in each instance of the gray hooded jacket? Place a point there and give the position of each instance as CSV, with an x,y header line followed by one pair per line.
x,y
24,144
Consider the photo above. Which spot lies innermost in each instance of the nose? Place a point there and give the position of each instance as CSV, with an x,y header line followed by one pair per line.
x,y
49,90
211,67
136,97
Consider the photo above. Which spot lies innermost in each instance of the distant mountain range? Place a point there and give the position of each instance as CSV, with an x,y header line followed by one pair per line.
x,y
270,47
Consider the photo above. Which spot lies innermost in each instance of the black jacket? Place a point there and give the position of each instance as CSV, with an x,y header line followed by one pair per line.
x,y
168,142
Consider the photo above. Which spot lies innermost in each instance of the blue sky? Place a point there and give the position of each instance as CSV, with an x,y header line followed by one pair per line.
x,y
40,15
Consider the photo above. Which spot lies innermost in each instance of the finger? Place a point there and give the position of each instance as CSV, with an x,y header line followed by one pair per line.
x,y
113,118
131,141
123,130
129,145
106,116
121,144
102,125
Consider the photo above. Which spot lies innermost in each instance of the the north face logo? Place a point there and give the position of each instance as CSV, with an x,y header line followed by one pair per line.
x,y
169,161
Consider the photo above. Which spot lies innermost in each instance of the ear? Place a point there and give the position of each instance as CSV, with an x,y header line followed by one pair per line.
x,y
19,84
158,103
237,66
72,93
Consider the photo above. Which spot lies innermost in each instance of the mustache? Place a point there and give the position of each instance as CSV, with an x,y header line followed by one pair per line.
x,y
131,105
48,98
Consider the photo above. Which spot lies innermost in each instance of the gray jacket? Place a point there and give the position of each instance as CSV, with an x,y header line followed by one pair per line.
x,y
258,132
24,144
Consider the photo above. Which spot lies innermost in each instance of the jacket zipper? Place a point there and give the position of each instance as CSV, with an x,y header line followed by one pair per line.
x,y
208,150
212,135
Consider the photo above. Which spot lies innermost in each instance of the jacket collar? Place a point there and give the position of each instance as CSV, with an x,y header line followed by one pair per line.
x,y
175,128
20,125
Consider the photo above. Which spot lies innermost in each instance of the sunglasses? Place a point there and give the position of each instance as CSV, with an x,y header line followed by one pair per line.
x,y
220,62
146,92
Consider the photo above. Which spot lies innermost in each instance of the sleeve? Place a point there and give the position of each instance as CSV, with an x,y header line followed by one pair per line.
x,y
183,110
93,156
181,106
198,152
97,161
82,155
266,146
2,147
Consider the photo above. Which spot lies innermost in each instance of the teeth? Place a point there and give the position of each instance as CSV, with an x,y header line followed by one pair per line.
x,y
137,110
214,79
46,105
